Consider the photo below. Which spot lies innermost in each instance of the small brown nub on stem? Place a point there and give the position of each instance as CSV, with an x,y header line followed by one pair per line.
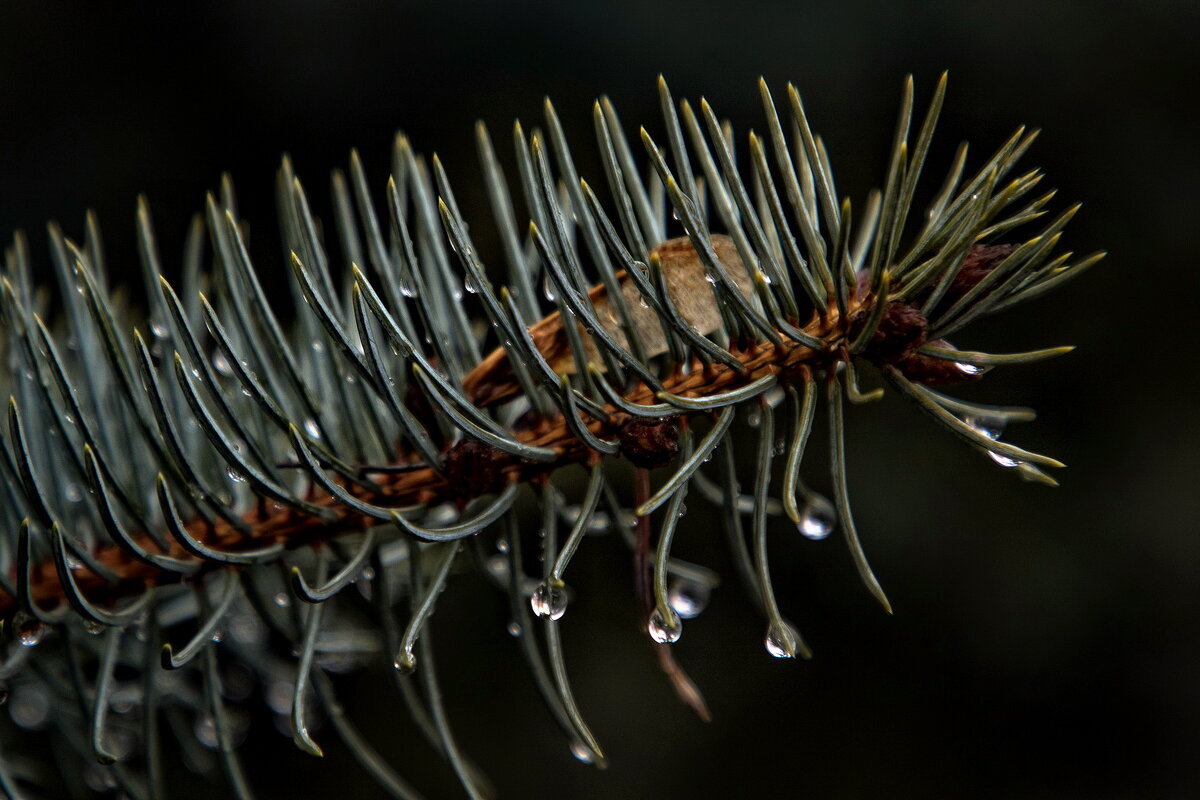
x,y
650,443
472,470
982,259
902,330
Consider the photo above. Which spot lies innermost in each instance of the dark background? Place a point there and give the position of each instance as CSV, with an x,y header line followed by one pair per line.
x,y
1045,642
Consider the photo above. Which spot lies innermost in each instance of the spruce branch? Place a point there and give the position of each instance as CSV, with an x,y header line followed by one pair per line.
x,y
215,460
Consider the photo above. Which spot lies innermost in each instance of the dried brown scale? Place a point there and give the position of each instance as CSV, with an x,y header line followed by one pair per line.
x,y
789,360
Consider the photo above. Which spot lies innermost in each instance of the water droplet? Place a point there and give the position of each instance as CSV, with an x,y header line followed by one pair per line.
x,y
206,731
765,277
549,599
548,288
98,778
217,635
497,567
642,302
502,544
235,476
312,428
781,640
754,416
441,516
282,600
663,630
992,428
1003,460
367,574
125,698
817,518
29,707
73,493
221,363
318,346
682,509
774,396
248,629
279,696
92,627
967,369
688,597
780,446
406,288
514,628
583,752
29,629
712,279
469,284
405,661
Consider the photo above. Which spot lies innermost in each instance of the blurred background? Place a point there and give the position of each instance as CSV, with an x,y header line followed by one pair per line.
x,y
1046,643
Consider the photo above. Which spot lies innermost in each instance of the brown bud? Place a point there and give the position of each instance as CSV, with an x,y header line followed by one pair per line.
x,y
649,443
902,330
978,263
471,469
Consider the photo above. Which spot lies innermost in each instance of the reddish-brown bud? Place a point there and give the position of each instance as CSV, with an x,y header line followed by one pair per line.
x,y
472,469
649,443
902,330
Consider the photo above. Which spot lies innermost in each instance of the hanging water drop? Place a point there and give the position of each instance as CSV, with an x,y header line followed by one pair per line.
x,y
312,428
221,363
502,544
549,599
282,600
73,493
497,567
688,597
967,369
548,288
29,629
29,707
235,476
405,661
158,329
469,284
817,518
206,731
514,628
992,427
781,640
406,288
318,346
583,752
754,416
663,630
